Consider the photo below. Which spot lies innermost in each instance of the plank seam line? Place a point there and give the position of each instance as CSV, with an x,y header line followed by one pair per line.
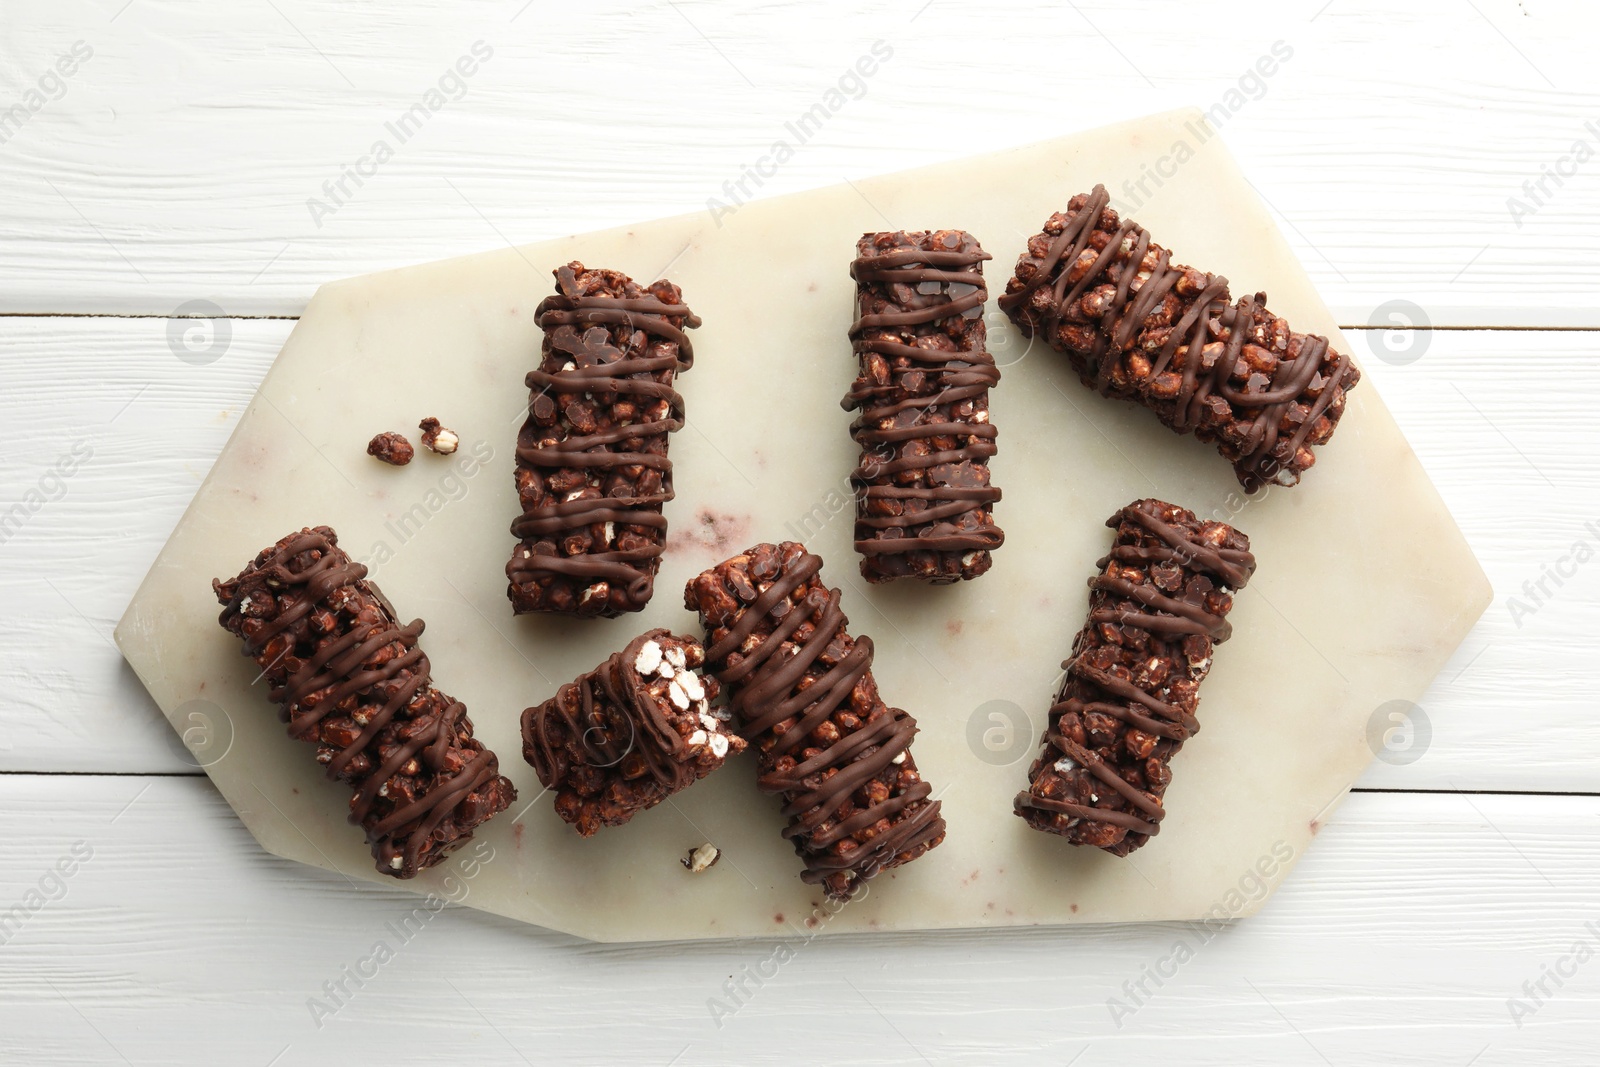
x,y
1350,327
138,315
1363,790
1483,792
102,774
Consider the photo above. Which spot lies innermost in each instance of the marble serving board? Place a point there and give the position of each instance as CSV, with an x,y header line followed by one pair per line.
x,y
1365,584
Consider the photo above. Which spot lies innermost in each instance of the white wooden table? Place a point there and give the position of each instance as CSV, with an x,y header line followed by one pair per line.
x,y
1449,912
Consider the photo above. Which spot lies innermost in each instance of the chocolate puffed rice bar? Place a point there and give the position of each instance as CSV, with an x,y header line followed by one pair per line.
x,y
1128,701
630,733
923,496
1138,327
802,691
592,467
352,681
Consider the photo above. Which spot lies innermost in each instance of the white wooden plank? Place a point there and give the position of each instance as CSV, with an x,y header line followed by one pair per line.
x,y
179,941
72,705
178,162
1503,422
112,434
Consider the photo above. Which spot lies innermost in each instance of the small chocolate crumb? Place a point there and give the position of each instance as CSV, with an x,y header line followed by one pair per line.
x,y
438,439
702,858
392,448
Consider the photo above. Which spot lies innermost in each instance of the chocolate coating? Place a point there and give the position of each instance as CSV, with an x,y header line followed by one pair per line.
x,y
802,690
592,466
1131,691
1138,327
621,738
922,486
352,680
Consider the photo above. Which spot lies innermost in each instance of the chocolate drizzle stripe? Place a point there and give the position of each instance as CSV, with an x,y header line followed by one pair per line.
x,y
1115,686
1097,766
947,286
637,314
919,316
1178,616
1128,712
1233,566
